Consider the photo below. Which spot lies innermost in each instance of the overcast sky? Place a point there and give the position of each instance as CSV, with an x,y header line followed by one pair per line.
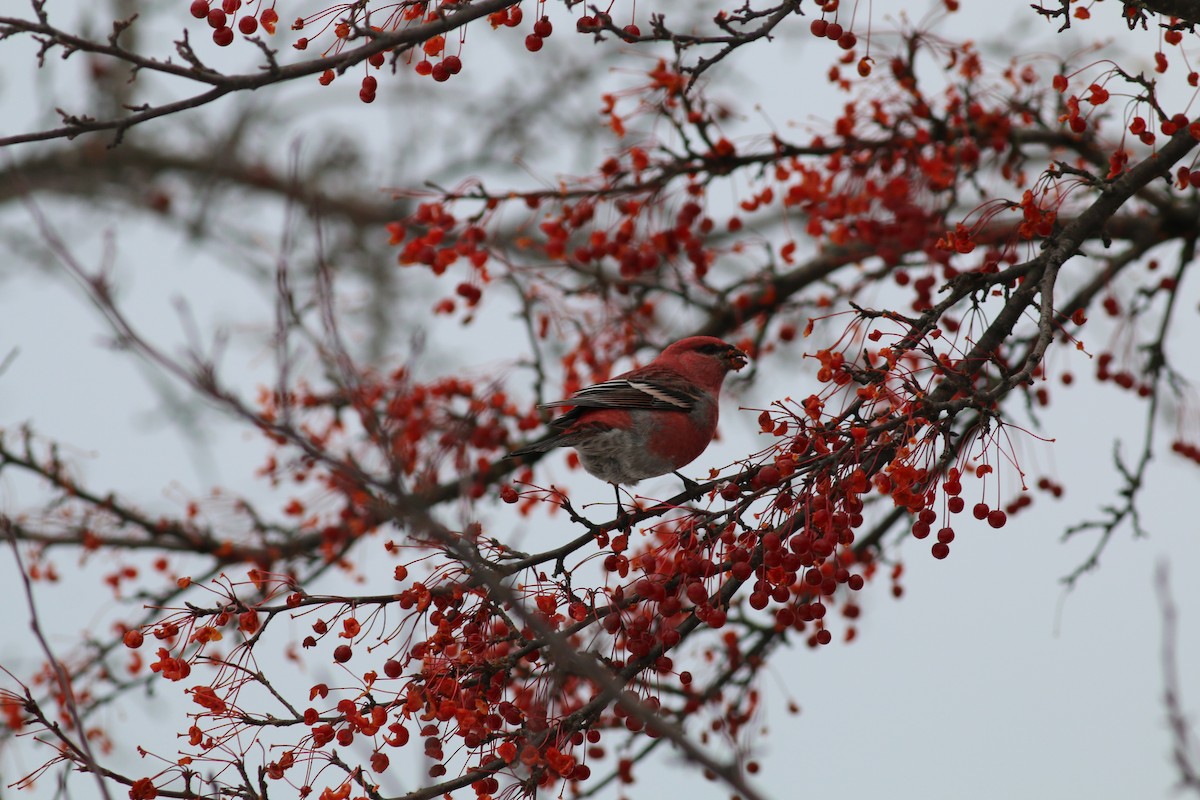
x,y
986,680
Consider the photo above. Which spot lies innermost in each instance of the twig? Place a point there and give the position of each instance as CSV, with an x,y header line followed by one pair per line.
x,y
82,749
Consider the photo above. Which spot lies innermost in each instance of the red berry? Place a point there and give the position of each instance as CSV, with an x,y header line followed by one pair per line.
x,y
847,41
767,476
515,15
133,639
997,518
223,36
920,530
247,25
818,27
199,9
342,653
632,30
834,31
586,24
946,535
980,511
231,6
370,84
217,18
940,550
440,72
543,28
533,43
391,668
454,64
423,67
508,494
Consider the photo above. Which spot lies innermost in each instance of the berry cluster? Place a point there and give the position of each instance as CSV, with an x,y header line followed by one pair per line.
x,y
221,18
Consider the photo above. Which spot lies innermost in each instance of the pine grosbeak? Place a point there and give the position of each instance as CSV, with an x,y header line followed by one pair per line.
x,y
649,421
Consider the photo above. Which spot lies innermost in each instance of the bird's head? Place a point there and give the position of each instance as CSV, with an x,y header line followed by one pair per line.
x,y
709,347
707,357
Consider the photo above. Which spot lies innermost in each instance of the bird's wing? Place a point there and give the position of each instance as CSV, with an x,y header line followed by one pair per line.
x,y
634,392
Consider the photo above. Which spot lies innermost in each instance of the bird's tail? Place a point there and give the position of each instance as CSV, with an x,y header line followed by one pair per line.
x,y
533,448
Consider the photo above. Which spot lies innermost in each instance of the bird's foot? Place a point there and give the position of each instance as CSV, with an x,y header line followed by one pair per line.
x,y
624,519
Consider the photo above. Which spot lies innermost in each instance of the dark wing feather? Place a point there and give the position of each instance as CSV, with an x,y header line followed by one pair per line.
x,y
631,393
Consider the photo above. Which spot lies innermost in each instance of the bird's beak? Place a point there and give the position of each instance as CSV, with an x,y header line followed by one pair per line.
x,y
735,358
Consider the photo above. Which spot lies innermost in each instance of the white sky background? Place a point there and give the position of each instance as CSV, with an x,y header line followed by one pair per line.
x,y
985,680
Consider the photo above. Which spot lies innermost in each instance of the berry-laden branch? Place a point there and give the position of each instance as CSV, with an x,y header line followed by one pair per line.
x,y
378,42
1043,270
567,658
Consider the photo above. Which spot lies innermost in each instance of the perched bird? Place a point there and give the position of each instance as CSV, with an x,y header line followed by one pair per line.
x,y
649,421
